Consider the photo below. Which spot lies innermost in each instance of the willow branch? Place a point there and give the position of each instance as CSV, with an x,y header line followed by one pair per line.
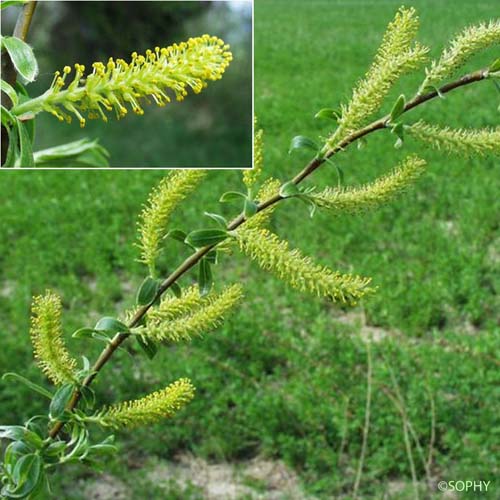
x,y
193,259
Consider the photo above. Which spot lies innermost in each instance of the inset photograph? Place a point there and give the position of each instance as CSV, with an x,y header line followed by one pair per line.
x,y
127,84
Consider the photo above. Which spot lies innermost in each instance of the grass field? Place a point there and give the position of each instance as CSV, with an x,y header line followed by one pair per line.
x,y
285,377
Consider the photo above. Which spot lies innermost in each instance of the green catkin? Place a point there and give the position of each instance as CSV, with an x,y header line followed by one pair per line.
x,y
46,335
191,315
161,203
395,57
150,409
273,254
465,45
374,194
457,141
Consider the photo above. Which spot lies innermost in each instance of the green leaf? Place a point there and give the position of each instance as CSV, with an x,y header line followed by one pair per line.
x,y
13,451
302,142
311,205
19,433
9,90
60,400
212,256
176,290
13,151
249,208
26,475
9,3
111,325
177,234
205,279
83,333
204,237
102,450
494,66
289,189
231,196
81,153
217,218
328,113
398,130
26,157
149,347
398,108
147,291
88,396
55,448
34,387
22,57
8,118
12,432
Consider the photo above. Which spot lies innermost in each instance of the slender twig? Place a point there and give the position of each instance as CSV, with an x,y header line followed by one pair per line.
x,y
366,427
8,71
193,259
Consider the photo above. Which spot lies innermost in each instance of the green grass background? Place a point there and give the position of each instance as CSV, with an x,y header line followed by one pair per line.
x,y
285,377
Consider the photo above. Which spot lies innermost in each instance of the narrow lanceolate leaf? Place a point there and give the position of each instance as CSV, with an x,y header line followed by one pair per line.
x,y
81,153
398,108
9,90
22,57
26,158
46,335
204,237
193,314
60,400
147,291
162,202
302,142
273,254
328,113
251,176
150,409
34,387
396,56
458,141
466,44
371,196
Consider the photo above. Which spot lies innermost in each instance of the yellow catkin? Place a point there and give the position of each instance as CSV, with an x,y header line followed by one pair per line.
x,y
162,202
273,254
250,177
466,44
395,57
150,409
374,194
119,85
457,141
46,335
182,318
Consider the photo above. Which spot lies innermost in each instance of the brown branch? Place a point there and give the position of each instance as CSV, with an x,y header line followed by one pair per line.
x,y
8,71
193,259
